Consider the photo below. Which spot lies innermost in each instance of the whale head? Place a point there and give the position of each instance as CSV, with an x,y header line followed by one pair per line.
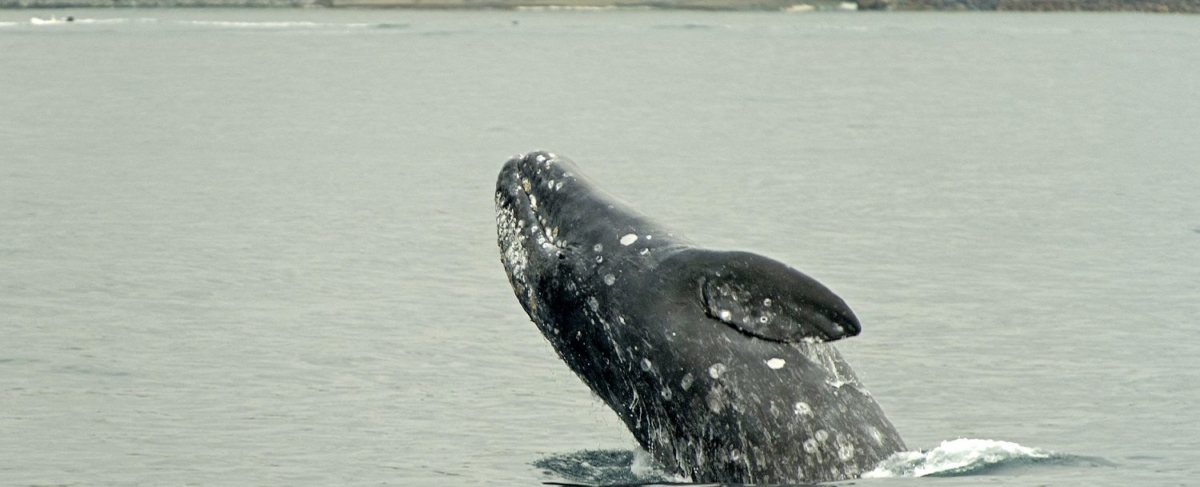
x,y
556,227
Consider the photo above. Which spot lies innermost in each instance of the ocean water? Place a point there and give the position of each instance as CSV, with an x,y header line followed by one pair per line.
x,y
257,247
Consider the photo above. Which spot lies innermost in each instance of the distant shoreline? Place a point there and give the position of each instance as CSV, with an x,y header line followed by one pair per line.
x,y
1154,6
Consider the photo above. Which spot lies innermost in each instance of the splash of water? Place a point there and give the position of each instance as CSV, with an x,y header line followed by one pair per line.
x,y
963,456
952,458
607,467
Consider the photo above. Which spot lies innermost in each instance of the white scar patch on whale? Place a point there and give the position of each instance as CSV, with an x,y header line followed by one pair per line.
x,y
716,370
629,239
776,363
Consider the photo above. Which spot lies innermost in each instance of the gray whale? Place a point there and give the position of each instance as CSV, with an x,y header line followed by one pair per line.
x,y
718,362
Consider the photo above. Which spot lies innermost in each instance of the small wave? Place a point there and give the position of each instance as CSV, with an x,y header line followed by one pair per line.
x,y
282,25
691,26
389,25
56,21
969,457
141,20
252,25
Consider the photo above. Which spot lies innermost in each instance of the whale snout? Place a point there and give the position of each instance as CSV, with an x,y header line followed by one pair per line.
x,y
538,173
534,184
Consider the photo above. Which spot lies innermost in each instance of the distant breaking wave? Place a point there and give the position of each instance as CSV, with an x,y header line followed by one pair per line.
x,y
953,458
205,24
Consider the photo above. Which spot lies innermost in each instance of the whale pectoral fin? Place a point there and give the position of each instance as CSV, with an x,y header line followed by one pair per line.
x,y
789,313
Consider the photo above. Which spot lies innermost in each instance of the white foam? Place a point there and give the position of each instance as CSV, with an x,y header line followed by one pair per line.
x,y
959,455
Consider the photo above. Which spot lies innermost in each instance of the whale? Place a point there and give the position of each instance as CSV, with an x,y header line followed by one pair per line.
x,y
720,363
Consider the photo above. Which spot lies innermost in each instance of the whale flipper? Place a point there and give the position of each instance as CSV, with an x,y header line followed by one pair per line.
x,y
767,299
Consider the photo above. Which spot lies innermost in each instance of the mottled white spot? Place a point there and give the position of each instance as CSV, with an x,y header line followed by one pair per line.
x,y
716,403
525,185
766,301
810,445
646,364
735,455
846,451
644,252
648,237
665,393
599,259
822,435
628,239
541,158
803,409
776,363
686,382
592,303
609,279
558,185
874,433
725,314
598,247
716,370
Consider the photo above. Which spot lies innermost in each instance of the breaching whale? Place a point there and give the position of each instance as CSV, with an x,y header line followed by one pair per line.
x,y
718,362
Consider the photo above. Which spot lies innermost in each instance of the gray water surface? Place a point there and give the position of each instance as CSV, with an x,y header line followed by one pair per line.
x,y
257,247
